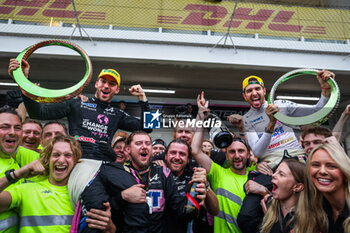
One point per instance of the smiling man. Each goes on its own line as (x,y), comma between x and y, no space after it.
(31,134)
(43,206)
(177,157)
(119,149)
(158,145)
(141,194)
(312,137)
(95,121)
(10,137)
(227,183)
(268,137)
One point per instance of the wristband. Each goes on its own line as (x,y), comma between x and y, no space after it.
(14,175)
(9,177)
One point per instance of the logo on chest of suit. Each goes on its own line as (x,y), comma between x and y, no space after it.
(256,120)
(158,199)
(102,119)
(98,129)
(154,178)
(88,106)
(109,111)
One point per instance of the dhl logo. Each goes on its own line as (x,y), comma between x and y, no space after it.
(207,15)
(58,8)
(249,19)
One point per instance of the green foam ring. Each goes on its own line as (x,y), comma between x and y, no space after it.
(41,94)
(317,118)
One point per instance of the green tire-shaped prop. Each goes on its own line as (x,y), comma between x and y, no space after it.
(316,118)
(44,95)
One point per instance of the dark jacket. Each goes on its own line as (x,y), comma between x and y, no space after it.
(92,123)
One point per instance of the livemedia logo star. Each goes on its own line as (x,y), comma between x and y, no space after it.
(185,123)
(151,120)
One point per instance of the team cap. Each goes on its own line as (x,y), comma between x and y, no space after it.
(110,72)
(252,80)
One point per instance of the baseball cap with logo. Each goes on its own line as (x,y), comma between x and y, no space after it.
(252,80)
(110,72)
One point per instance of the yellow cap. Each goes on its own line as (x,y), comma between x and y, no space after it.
(110,72)
(252,80)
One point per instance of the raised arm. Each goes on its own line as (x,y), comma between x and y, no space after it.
(305,109)
(130,123)
(136,90)
(201,158)
(322,77)
(36,110)
(211,201)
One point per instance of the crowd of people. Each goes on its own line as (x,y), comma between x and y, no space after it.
(88,177)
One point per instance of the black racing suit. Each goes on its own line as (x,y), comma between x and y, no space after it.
(92,123)
(179,224)
(162,188)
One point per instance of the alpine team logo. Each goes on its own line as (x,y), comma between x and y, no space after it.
(111,109)
(151,120)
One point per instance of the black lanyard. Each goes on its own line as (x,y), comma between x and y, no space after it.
(148,179)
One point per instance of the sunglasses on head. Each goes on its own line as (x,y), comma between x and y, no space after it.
(241,140)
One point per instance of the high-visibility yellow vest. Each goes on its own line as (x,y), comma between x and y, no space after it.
(25,156)
(42,207)
(8,219)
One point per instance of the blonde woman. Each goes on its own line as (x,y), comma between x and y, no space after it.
(324,206)
(288,182)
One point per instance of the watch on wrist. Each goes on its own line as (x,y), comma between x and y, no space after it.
(10,179)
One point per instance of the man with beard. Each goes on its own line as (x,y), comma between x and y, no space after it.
(184,132)
(140,195)
(268,137)
(177,157)
(227,183)
(92,122)
(31,134)
(157,184)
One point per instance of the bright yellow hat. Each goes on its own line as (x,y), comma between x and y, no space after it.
(111,73)
(252,80)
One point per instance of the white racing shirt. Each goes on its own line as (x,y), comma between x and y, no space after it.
(283,137)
